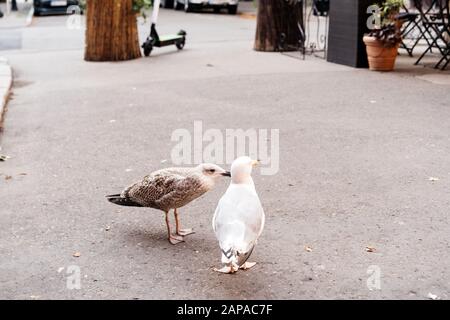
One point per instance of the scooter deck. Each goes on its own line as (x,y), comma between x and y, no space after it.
(170,37)
(167,40)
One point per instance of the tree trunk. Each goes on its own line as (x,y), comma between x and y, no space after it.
(278,25)
(111,31)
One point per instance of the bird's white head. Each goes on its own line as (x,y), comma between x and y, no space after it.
(241,170)
(212,172)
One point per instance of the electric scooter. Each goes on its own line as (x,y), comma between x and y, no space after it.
(154,40)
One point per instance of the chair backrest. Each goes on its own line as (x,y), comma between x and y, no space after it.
(435,8)
(425,6)
(442,10)
(444,7)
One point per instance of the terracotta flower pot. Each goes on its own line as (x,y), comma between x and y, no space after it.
(380,58)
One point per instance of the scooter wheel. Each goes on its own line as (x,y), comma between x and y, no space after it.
(148,47)
(180,44)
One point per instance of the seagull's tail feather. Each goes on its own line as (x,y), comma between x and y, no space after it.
(236,257)
(121,201)
(243,257)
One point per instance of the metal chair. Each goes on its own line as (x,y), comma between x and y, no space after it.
(445,35)
(411,24)
(435,20)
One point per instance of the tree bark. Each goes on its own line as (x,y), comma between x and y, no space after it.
(278,25)
(111,31)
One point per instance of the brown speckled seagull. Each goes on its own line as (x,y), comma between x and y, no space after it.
(171,188)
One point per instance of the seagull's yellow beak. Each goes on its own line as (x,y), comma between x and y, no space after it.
(255,163)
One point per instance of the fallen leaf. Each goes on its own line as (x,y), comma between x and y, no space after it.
(23,174)
(433,179)
(76,254)
(433,296)
(60,269)
(8,177)
(370,249)
(209,65)
(3,157)
(308,249)
(107,228)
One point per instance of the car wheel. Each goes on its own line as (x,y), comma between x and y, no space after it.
(187,6)
(167,3)
(217,10)
(232,9)
(177,5)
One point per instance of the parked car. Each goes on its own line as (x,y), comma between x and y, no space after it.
(42,7)
(190,5)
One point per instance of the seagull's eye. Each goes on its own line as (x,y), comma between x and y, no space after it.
(212,170)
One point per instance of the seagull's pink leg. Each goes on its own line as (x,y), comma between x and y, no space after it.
(181,232)
(173,239)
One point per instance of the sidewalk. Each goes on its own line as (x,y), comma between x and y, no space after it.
(363,164)
(5,86)
(12,20)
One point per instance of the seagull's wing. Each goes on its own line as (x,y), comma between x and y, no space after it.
(184,191)
(238,221)
(153,188)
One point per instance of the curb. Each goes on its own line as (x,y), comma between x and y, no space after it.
(5,86)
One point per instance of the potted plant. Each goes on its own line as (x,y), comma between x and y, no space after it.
(383,40)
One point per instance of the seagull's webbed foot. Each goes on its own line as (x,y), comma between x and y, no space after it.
(231,268)
(247,265)
(175,239)
(226,269)
(185,232)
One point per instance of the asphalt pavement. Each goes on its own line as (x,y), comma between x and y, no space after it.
(358,210)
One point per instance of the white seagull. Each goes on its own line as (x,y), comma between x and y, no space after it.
(171,188)
(239,218)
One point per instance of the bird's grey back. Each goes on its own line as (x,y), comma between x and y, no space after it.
(167,188)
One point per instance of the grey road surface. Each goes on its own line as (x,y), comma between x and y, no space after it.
(364,166)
